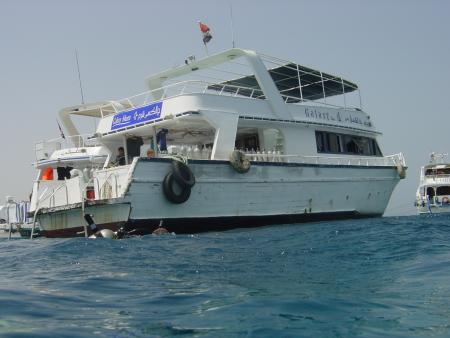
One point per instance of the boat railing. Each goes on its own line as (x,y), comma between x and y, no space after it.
(199,87)
(112,182)
(49,196)
(441,179)
(105,193)
(44,149)
(392,160)
(432,176)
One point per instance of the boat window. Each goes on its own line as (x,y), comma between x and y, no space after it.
(321,142)
(335,143)
(435,171)
(430,192)
(444,190)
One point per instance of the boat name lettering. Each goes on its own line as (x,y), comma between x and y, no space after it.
(137,115)
(336,117)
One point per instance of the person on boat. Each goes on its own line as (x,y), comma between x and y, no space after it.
(161,139)
(150,153)
(120,159)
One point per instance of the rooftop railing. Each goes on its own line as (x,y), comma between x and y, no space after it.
(200,87)
(44,149)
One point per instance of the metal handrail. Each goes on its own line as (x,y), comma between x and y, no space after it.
(396,159)
(41,200)
(113,174)
(186,87)
(80,141)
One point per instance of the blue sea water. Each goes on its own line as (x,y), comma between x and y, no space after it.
(383,277)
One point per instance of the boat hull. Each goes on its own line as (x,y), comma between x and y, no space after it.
(69,221)
(444,209)
(196,225)
(222,199)
(270,193)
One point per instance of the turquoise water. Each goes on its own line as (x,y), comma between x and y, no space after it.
(360,278)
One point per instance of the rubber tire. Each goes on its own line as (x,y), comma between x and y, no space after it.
(168,182)
(183,174)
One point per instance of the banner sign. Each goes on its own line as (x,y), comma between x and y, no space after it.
(137,115)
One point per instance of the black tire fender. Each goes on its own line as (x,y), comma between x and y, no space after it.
(171,195)
(183,174)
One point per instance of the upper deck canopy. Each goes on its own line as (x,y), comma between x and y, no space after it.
(289,79)
(293,81)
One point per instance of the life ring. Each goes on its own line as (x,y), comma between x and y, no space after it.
(183,174)
(239,162)
(171,194)
(445,200)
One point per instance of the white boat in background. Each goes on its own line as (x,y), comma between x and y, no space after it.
(433,193)
(267,142)
(14,215)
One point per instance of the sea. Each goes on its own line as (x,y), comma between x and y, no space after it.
(379,277)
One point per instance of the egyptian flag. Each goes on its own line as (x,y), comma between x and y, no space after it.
(205,31)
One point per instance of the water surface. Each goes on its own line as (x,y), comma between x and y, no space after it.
(360,278)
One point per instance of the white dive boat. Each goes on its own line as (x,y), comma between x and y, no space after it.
(13,215)
(433,193)
(268,142)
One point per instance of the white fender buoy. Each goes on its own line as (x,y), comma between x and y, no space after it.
(239,162)
(104,233)
(401,171)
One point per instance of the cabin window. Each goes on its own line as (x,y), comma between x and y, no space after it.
(335,143)
(321,142)
(445,190)
(375,148)
(435,171)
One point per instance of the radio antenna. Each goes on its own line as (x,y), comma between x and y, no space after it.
(79,77)
(231,24)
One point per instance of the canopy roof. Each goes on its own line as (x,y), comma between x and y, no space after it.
(295,82)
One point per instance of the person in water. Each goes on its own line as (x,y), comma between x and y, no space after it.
(120,159)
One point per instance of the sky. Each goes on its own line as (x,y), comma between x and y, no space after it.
(398,52)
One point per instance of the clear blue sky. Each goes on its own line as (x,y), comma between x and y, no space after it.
(397,51)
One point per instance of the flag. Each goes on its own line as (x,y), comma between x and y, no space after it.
(206,32)
(60,130)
